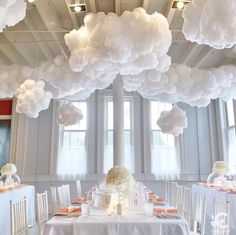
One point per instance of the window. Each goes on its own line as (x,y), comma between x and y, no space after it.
(230,129)
(72,156)
(128,145)
(164,160)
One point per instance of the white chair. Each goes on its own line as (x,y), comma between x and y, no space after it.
(19,224)
(42,210)
(221,218)
(168,191)
(78,187)
(173,200)
(179,199)
(187,204)
(54,200)
(199,215)
(64,195)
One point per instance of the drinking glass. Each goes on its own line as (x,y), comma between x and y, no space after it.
(85,209)
(148,208)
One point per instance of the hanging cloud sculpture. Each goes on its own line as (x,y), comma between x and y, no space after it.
(11,77)
(11,12)
(32,98)
(108,45)
(173,121)
(181,83)
(211,22)
(69,114)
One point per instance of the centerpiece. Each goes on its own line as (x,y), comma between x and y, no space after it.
(218,176)
(9,178)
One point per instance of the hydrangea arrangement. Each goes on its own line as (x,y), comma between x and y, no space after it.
(220,167)
(8,169)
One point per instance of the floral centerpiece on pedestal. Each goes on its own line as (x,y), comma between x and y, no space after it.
(121,179)
(218,177)
(8,176)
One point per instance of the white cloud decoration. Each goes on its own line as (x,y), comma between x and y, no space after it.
(11,12)
(32,98)
(68,114)
(11,77)
(181,83)
(173,121)
(211,22)
(108,45)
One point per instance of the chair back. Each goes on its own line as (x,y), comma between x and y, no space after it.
(187,204)
(18,212)
(42,207)
(200,214)
(221,218)
(54,200)
(173,200)
(64,195)
(78,187)
(179,199)
(66,188)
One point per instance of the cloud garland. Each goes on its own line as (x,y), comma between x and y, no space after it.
(181,83)
(11,12)
(203,25)
(32,98)
(173,121)
(69,114)
(108,45)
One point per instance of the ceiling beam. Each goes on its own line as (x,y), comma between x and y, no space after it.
(202,56)
(146,4)
(189,53)
(118,7)
(92,6)
(21,49)
(51,21)
(37,37)
(169,13)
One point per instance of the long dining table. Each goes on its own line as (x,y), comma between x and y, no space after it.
(132,222)
(27,191)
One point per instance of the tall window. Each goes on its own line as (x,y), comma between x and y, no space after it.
(230,129)
(128,145)
(164,157)
(72,156)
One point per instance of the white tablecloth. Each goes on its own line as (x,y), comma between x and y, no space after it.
(133,223)
(16,194)
(221,196)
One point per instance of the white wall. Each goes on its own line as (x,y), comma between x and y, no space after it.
(32,149)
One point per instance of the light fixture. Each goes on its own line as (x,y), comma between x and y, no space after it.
(30,1)
(77,8)
(180,4)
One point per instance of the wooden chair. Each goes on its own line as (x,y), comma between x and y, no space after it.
(64,195)
(18,210)
(221,218)
(179,197)
(78,187)
(168,191)
(173,200)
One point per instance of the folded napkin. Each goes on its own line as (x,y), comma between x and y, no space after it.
(67,210)
(165,211)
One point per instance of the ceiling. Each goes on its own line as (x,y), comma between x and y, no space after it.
(40,35)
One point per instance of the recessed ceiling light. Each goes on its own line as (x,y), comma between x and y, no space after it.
(77,8)
(180,5)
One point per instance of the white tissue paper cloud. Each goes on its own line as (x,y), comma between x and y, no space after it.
(11,12)
(32,98)
(181,83)
(173,121)
(210,22)
(69,114)
(11,77)
(108,45)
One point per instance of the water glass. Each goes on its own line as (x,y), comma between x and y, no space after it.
(148,208)
(85,209)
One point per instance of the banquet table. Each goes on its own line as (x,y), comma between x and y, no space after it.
(98,223)
(221,196)
(16,194)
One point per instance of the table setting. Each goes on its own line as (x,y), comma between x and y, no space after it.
(118,205)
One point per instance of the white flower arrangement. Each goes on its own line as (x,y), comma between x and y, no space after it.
(220,167)
(118,176)
(8,169)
